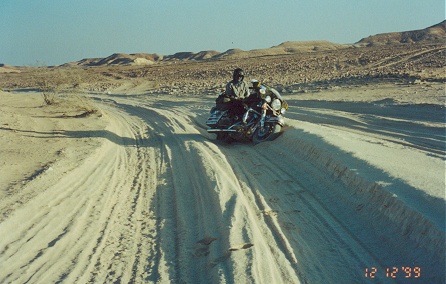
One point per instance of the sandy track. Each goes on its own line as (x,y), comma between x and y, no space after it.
(161,201)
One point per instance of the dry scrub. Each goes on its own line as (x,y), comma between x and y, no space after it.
(62,87)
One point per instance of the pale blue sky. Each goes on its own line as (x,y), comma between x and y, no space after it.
(54,32)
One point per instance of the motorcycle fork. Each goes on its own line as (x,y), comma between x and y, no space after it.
(262,120)
(245,115)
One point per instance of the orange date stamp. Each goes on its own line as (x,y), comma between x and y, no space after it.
(393,272)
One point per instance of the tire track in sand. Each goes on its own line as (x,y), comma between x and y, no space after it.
(90,224)
(138,210)
(159,202)
(207,227)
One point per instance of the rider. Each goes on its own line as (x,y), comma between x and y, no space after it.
(237,90)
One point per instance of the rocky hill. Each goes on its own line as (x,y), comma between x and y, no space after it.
(148,59)
(436,33)
(286,48)
(118,59)
(290,65)
(202,55)
(433,34)
(5,68)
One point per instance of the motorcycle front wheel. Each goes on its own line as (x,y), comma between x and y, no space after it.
(268,132)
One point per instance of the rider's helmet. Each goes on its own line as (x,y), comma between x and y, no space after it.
(238,74)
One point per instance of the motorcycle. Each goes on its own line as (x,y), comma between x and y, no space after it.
(261,118)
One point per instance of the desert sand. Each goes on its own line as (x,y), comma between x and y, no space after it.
(140,192)
(121,183)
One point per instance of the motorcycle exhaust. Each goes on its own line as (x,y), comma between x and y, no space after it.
(215,130)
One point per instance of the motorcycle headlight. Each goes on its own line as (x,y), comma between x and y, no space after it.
(283,110)
(268,99)
(276,104)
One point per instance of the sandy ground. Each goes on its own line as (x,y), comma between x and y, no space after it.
(139,192)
